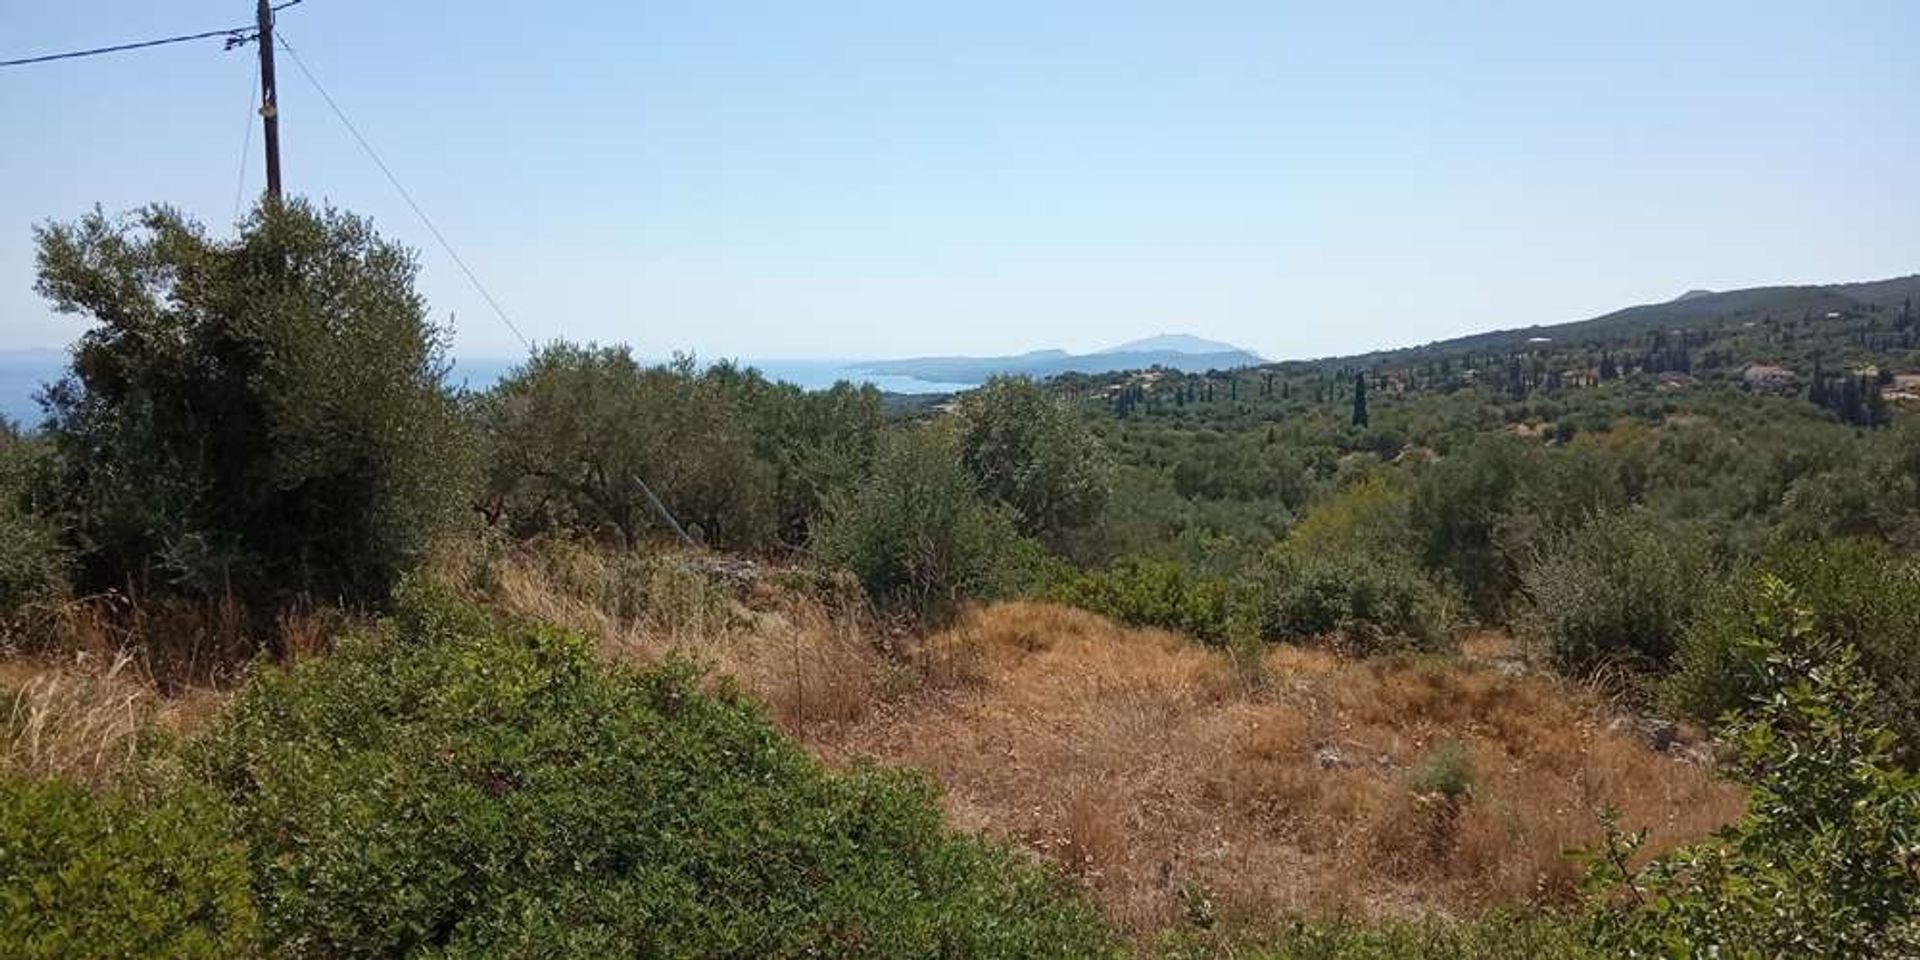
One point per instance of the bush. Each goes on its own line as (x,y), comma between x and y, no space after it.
(1457,508)
(1148,593)
(1030,452)
(1499,936)
(1823,862)
(1368,516)
(572,429)
(263,416)
(1616,591)
(1363,604)
(1861,595)
(1446,771)
(87,877)
(916,532)
(33,561)
(463,789)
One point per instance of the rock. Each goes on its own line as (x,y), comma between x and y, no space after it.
(1659,734)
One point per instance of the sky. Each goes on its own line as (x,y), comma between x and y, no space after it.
(774,180)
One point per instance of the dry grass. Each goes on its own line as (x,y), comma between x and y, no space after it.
(815,661)
(85,719)
(101,682)
(1142,762)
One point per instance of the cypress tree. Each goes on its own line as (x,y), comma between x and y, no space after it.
(1360,400)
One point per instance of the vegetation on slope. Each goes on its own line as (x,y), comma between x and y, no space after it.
(257,443)
(448,786)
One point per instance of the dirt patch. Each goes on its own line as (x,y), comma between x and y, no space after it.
(1147,765)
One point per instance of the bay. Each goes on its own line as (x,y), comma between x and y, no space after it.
(23,373)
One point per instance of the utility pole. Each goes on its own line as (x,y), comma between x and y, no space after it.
(269,101)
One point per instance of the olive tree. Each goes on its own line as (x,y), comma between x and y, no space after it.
(916,531)
(264,415)
(576,430)
(1028,450)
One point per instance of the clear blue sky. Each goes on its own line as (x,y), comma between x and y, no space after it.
(883,179)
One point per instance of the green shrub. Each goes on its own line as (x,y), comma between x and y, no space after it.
(917,533)
(109,878)
(260,416)
(1861,594)
(571,431)
(1615,591)
(1500,936)
(1370,516)
(1364,604)
(1030,452)
(1823,863)
(1447,771)
(1148,593)
(454,788)
(1457,508)
(33,561)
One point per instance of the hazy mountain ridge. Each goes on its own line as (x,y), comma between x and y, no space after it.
(1176,343)
(1693,309)
(1181,351)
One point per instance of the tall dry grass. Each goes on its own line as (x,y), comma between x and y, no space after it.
(99,684)
(86,719)
(814,654)
(1146,764)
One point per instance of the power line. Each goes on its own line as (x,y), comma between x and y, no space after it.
(404,195)
(246,142)
(232,35)
(235,36)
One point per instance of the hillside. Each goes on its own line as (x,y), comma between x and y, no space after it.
(1695,311)
(308,654)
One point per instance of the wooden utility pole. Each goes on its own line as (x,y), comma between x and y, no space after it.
(269,101)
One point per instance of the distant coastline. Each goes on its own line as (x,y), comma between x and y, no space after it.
(23,373)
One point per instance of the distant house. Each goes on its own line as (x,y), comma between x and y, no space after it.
(1904,389)
(1770,378)
(1675,380)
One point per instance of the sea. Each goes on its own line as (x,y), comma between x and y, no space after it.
(24,372)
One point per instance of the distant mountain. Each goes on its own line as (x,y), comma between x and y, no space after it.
(1176,343)
(1172,351)
(1692,310)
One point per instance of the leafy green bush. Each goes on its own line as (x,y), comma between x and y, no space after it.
(1028,451)
(263,416)
(1617,590)
(1447,771)
(33,561)
(572,430)
(1823,863)
(1500,936)
(1458,504)
(917,533)
(1149,593)
(1862,595)
(1363,604)
(460,789)
(109,878)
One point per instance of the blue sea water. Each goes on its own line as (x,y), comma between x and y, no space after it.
(478,373)
(24,372)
